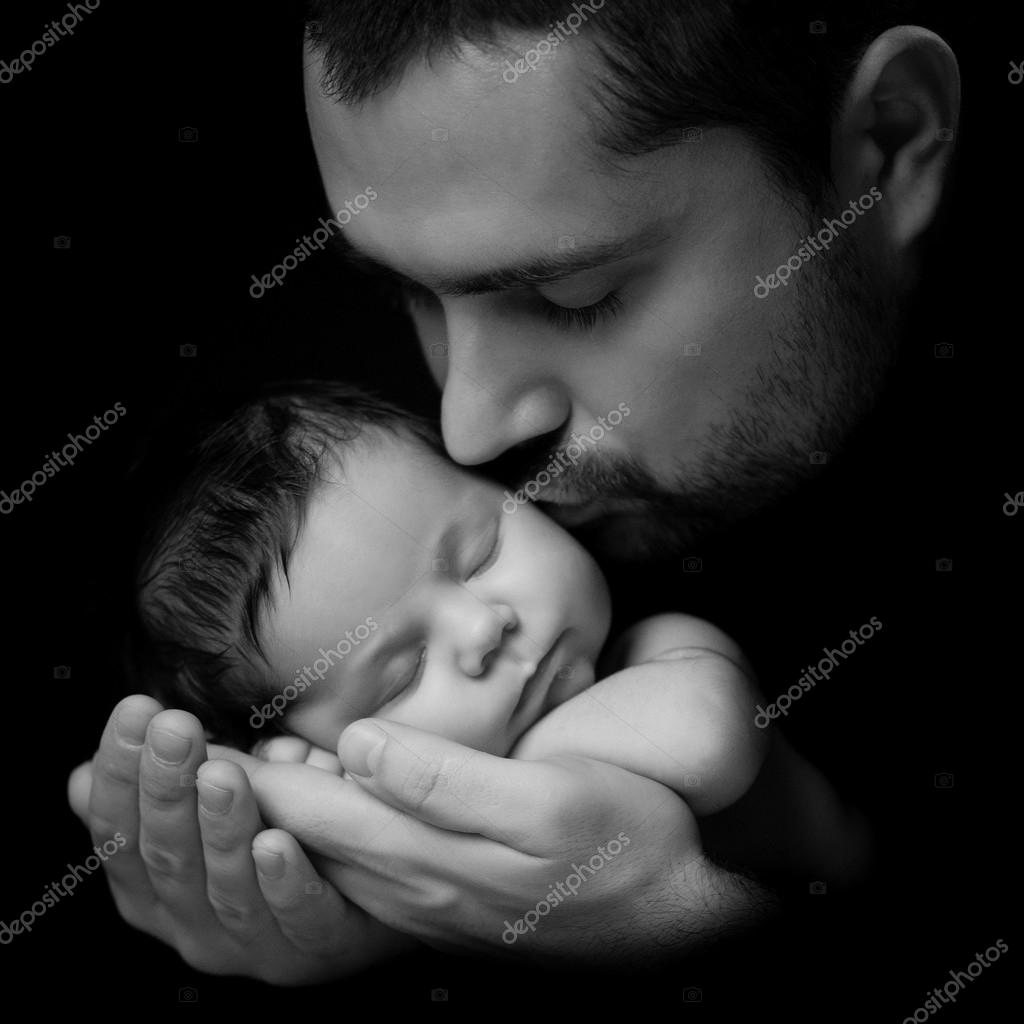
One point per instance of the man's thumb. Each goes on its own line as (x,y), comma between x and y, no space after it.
(79,788)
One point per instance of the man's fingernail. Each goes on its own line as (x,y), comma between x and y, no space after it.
(269,863)
(169,746)
(131,726)
(360,748)
(213,798)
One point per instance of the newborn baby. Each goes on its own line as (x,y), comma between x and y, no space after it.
(318,521)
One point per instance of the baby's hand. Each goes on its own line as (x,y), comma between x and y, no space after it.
(295,750)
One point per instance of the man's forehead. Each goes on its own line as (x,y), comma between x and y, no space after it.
(511,180)
(453,132)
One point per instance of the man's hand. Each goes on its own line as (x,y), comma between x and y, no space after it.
(188,874)
(468,851)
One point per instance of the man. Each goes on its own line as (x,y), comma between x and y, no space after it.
(709,213)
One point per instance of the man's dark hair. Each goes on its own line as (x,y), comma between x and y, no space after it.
(223,511)
(776,70)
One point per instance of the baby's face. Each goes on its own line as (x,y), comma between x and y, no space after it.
(475,622)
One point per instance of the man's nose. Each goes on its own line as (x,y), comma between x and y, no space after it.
(495,399)
(484,637)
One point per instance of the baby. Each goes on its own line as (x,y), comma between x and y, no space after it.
(317,526)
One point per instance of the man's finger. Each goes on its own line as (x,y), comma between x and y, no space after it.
(79,788)
(308,910)
(458,788)
(332,816)
(169,838)
(228,821)
(113,804)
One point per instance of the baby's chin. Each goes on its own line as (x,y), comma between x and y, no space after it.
(571,679)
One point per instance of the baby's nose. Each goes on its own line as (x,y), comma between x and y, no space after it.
(481,651)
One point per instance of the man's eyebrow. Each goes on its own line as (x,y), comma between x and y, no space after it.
(530,273)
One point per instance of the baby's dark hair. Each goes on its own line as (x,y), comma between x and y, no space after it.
(222,513)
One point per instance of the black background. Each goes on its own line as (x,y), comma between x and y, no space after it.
(164,236)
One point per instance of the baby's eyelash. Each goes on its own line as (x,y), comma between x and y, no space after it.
(492,556)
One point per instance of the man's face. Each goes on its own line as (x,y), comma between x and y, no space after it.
(468,622)
(549,289)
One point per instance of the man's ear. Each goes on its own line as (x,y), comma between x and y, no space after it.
(897,129)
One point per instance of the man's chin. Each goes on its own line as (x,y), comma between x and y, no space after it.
(573,514)
(633,529)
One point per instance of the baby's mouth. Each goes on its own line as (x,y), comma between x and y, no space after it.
(537,678)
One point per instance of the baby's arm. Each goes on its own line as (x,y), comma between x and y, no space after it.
(680,710)
(685,716)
